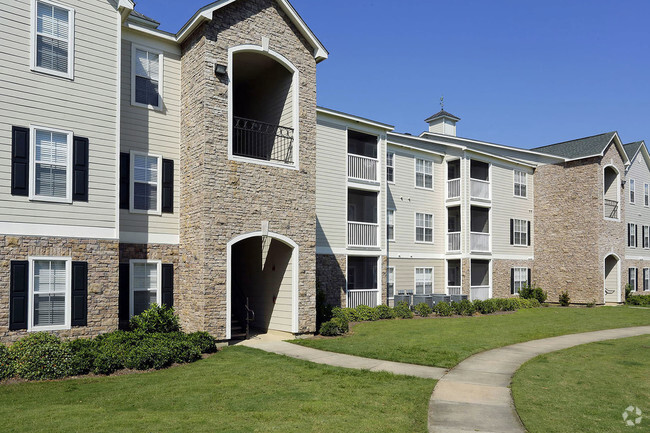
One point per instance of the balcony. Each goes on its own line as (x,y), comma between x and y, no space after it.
(480,242)
(263,141)
(453,188)
(362,297)
(453,290)
(362,234)
(611,209)
(479,292)
(480,189)
(362,168)
(453,242)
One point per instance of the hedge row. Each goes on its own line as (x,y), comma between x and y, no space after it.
(642,300)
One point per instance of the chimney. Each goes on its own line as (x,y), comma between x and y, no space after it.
(443,123)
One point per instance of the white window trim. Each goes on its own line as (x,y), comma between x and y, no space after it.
(388,211)
(33,42)
(632,194)
(631,234)
(514,183)
(415,174)
(521,234)
(388,274)
(646,195)
(646,279)
(392,182)
(415,220)
(158,264)
(161,74)
(524,281)
(634,287)
(32,166)
(415,280)
(158,210)
(645,237)
(68,295)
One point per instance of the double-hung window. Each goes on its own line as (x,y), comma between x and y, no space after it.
(632,273)
(520,184)
(146,176)
(519,279)
(390,225)
(146,79)
(424,227)
(391,281)
(645,230)
(423,281)
(52,39)
(390,167)
(646,195)
(51,156)
(50,294)
(145,285)
(646,279)
(632,235)
(423,173)
(520,232)
(632,191)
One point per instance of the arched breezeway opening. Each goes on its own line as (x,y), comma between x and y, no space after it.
(262,284)
(612,279)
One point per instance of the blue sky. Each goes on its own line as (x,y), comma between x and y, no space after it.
(521,73)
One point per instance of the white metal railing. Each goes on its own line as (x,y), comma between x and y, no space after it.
(362,167)
(479,292)
(480,189)
(362,297)
(453,241)
(453,188)
(479,241)
(363,234)
(453,290)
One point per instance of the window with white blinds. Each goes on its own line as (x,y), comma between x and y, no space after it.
(51,172)
(423,174)
(146,175)
(147,78)
(390,275)
(424,227)
(50,293)
(53,33)
(145,285)
(520,278)
(520,184)
(423,281)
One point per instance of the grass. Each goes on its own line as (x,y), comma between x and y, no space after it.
(236,390)
(585,388)
(444,342)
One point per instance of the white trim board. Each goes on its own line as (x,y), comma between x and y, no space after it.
(148,238)
(57,231)
(350,251)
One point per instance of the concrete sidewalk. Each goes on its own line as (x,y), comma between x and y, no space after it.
(475,395)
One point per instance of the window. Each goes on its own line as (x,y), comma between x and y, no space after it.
(145,285)
(424,227)
(646,279)
(50,294)
(390,225)
(520,184)
(145,186)
(632,235)
(423,174)
(632,272)
(390,167)
(52,39)
(646,195)
(423,281)
(391,281)
(520,232)
(646,236)
(51,154)
(146,80)
(519,279)
(632,191)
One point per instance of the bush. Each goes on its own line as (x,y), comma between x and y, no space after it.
(533,292)
(402,310)
(385,312)
(323,309)
(443,309)
(347,314)
(6,366)
(488,306)
(155,319)
(422,309)
(628,291)
(367,314)
(203,341)
(83,356)
(564,299)
(40,356)
(641,300)
(183,347)
(463,308)
(336,326)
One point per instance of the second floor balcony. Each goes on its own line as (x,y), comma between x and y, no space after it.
(263,141)
(362,234)
(363,226)
(479,229)
(363,164)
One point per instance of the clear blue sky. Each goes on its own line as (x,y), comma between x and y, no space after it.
(522,73)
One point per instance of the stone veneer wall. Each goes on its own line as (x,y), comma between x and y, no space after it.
(639,264)
(501,274)
(572,237)
(331,276)
(166,253)
(220,198)
(102,257)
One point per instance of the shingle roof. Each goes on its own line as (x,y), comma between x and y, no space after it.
(579,148)
(137,14)
(632,148)
(442,113)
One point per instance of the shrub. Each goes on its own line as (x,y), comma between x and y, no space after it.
(336,326)
(366,313)
(423,309)
(107,363)
(155,319)
(347,314)
(152,352)
(385,312)
(323,309)
(628,291)
(463,308)
(183,347)
(533,292)
(641,300)
(6,366)
(40,356)
(203,341)
(488,306)
(83,356)
(443,309)
(564,299)
(402,310)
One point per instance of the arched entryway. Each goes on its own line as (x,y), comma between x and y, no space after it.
(262,284)
(612,279)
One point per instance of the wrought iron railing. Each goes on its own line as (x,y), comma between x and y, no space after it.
(611,209)
(265,141)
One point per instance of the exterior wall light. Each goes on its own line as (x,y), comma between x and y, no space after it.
(220,69)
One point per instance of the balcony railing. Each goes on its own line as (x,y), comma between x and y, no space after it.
(362,297)
(611,209)
(453,290)
(453,188)
(363,234)
(480,242)
(362,168)
(265,141)
(479,292)
(480,189)
(453,241)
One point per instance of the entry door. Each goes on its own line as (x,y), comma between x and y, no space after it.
(612,280)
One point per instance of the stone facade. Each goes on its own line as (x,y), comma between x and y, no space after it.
(639,265)
(166,253)
(501,275)
(331,275)
(221,198)
(102,257)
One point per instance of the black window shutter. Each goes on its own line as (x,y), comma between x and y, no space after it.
(530,277)
(636,279)
(18,292)
(168,186)
(79,293)
(512,232)
(636,236)
(168,285)
(528,233)
(80,169)
(629,235)
(125,171)
(512,280)
(19,161)
(124,310)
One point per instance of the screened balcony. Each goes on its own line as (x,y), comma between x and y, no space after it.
(454,277)
(363,228)
(453,229)
(362,157)
(479,180)
(362,282)
(453,179)
(480,229)
(480,280)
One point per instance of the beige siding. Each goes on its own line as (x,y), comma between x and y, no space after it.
(637,213)
(405,273)
(152,131)
(86,106)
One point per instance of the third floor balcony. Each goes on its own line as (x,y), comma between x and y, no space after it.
(363,164)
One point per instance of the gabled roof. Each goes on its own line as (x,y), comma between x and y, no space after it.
(442,113)
(144,19)
(632,148)
(580,148)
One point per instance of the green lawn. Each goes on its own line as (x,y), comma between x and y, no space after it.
(444,342)
(236,390)
(585,388)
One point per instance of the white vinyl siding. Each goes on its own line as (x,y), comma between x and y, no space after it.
(424,227)
(520,235)
(390,167)
(632,191)
(52,39)
(423,281)
(640,172)
(390,225)
(50,294)
(520,278)
(145,285)
(147,78)
(520,184)
(405,275)
(146,191)
(51,172)
(423,173)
